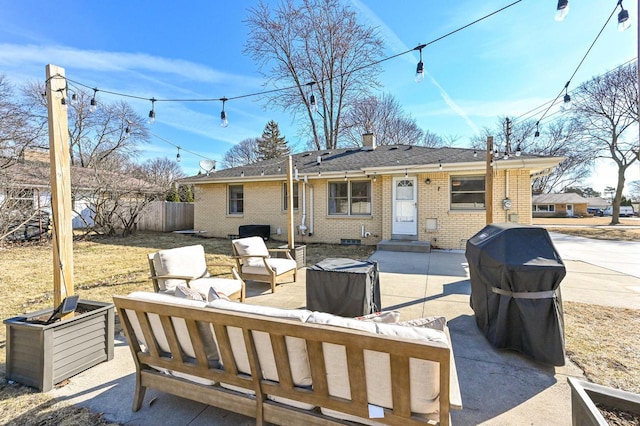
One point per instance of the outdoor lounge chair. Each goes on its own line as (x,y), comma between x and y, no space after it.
(254,262)
(187,265)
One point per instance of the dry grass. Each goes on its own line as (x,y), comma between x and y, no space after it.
(103,267)
(593,227)
(605,342)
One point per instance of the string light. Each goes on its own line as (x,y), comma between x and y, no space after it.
(440,164)
(537,133)
(420,68)
(224,122)
(475,154)
(518,151)
(562,10)
(93,104)
(345,176)
(375,177)
(152,112)
(178,156)
(406,175)
(564,4)
(623,18)
(313,104)
(223,115)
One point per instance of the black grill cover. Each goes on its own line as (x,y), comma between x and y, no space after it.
(515,277)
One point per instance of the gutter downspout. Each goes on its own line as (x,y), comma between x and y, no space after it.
(303,227)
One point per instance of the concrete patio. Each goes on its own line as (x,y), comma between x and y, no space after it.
(498,387)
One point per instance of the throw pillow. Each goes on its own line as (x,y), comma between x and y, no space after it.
(437,323)
(187,293)
(215,295)
(389,317)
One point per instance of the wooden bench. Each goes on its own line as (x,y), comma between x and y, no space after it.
(182,348)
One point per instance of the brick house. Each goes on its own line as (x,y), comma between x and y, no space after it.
(562,204)
(367,194)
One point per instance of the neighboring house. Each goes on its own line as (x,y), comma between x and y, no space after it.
(28,186)
(554,205)
(368,194)
(597,203)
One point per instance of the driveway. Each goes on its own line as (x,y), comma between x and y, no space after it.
(620,256)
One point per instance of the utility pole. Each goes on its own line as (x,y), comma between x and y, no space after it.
(56,84)
(488,204)
(508,136)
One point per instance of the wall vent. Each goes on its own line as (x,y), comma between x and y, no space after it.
(350,242)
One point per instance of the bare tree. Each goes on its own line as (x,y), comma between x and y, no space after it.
(20,130)
(161,172)
(606,107)
(634,190)
(244,152)
(97,134)
(384,117)
(316,47)
(560,138)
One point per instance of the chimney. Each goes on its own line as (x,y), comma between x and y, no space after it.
(368,141)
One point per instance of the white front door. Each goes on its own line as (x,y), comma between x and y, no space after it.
(405,206)
(569,209)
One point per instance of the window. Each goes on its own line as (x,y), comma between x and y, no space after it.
(549,208)
(350,198)
(285,194)
(236,199)
(467,192)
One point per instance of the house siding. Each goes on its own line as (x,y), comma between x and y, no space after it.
(263,206)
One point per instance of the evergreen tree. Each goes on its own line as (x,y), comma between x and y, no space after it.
(186,194)
(271,144)
(173,194)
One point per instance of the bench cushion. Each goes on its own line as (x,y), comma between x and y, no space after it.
(425,379)
(206,332)
(183,261)
(296,348)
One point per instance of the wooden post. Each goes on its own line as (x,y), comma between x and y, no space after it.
(60,184)
(291,226)
(489,182)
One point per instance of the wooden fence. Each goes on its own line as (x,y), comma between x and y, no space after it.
(166,216)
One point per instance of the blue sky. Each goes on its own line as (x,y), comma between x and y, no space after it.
(505,65)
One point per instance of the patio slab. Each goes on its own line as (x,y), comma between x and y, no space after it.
(499,387)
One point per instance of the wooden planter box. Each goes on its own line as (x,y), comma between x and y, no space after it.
(41,355)
(585,395)
(299,254)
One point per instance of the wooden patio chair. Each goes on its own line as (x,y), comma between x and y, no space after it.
(187,265)
(254,262)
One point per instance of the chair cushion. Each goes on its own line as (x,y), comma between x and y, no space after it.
(296,348)
(279,265)
(225,286)
(206,332)
(251,246)
(185,261)
(425,379)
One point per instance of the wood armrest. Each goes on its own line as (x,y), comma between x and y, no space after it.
(282,250)
(187,278)
(455,398)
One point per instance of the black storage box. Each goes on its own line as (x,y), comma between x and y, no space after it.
(263,231)
(345,287)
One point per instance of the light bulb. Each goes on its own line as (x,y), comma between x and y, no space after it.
(623,20)
(152,117)
(313,104)
(93,104)
(562,10)
(223,119)
(419,72)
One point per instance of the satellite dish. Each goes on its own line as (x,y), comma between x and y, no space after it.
(208,165)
